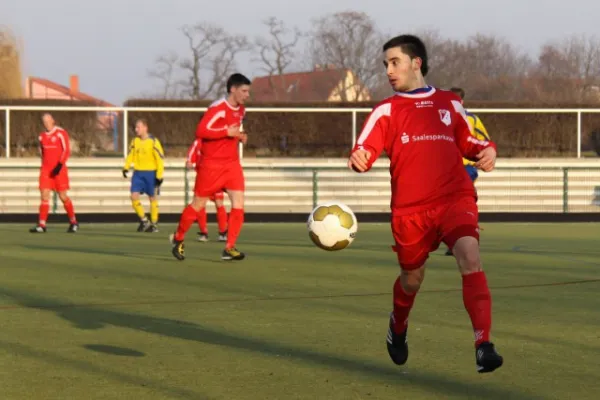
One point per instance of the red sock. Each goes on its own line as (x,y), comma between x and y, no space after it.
(202,221)
(44,211)
(68,204)
(403,303)
(222,219)
(236,220)
(478,302)
(188,217)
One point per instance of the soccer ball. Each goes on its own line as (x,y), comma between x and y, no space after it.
(332,226)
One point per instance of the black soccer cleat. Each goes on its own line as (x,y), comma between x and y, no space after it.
(178,250)
(73,228)
(397,344)
(487,358)
(143,225)
(232,254)
(202,237)
(449,252)
(152,228)
(222,236)
(38,229)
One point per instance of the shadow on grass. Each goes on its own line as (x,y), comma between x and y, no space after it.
(53,360)
(94,318)
(114,350)
(108,252)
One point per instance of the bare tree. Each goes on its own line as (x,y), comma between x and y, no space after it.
(569,70)
(202,73)
(348,41)
(276,52)
(10,66)
(165,71)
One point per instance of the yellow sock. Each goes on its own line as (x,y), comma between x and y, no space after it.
(138,208)
(154,211)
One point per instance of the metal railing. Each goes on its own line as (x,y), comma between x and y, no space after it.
(353,129)
(561,186)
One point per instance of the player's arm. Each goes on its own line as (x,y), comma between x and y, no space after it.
(40,147)
(192,154)
(129,159)
(159,157)
(482,151)
(480,129)
(65,145)
(212,126)
(371,141)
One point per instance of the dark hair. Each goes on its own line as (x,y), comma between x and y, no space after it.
(236,80)
(143,121)
(458,91)
(412,46)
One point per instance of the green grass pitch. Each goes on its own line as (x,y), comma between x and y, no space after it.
(109,314)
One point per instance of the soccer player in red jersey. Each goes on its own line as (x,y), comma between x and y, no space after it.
(193,159)
(221,131)
(425,134)
(54,175)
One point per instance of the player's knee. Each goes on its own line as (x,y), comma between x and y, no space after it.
(45,195)
(412,279)
(135,196)
(466,251)
(198,203)
(237,198)
(63,196)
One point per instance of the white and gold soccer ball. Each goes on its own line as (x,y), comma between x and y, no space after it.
(332,226)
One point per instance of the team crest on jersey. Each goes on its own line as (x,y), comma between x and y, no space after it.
(445,117)
(53,139)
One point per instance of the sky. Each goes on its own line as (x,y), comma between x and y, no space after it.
(111,44)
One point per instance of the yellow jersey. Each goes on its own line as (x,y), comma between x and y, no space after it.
(146,155)
(477,130)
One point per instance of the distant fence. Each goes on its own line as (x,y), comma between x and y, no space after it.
(296,189)
(295,131)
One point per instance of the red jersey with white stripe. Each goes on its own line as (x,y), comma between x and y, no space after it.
(195,153)
(425,134)
(55,147)
(217,147)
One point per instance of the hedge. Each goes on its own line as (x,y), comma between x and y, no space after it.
(305,134)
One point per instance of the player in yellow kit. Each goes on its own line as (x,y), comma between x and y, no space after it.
(147,156)
(478,131)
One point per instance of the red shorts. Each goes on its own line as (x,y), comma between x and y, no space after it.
(60,183)
(217,196)
(213,179)
(418,234)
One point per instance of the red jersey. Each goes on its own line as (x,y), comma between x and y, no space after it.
(195,153)
(55,147)
(217,147)
(425,134)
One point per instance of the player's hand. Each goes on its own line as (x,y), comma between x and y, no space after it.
(189,165)
(359,160)
(158,182)
(234,131)
(244,138)
(56,170)
(487,159)
(125,173)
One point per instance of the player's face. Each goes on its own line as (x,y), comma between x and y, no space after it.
(241,93)
(402,71)
(141,128)
(48,122)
